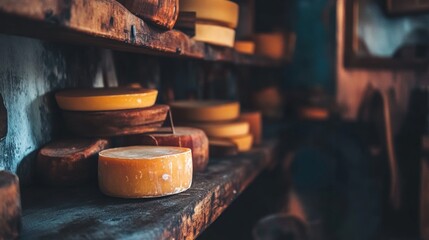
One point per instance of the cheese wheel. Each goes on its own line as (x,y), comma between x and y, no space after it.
(243,143)
(224,129)
(255,122)
(10,206)
(144,171)
(222,148)
(205,111)
(213,34)
(105,99)
(192,138)
(247,47)
(270,45)
(314,113)
(69,162)
(220,12)
(116,123)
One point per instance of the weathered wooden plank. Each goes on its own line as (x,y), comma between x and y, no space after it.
(106,23)
(77,213)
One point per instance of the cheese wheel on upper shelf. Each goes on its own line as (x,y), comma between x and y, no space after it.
(213,34)
(205,111)
(255,122)
(10,206)
(187,137)
(223,129)
(144,171)
(246,47)
(69,161)
(220,12)
(243,143)
(105,99)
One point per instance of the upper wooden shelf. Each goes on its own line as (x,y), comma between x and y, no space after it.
(85,213)
(106,23)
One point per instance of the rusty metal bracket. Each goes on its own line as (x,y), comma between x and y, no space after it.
(3,119)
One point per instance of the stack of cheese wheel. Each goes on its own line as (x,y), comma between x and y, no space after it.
(106,112)
(216,20)
(218,119)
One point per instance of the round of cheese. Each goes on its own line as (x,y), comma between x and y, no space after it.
(105,99)
(224,129)
(220,12)
(205,111)
(213,34)
(247,47)
(116,123)
(270,45)
(255,121)
(144,171)
(243,143)
(192,138)
(69,161)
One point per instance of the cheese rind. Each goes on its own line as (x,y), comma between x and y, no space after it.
(105,99)
(144,171)
(192,138)
(224,129)
(205,111)
(217,11)
(270,45)
(247,47)
(213,34)
(255,122)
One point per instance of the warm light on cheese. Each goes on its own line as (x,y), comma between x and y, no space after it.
(255,121)
(144,171)
(213,34)
(314,113)
(217,11)
(105,99)
(243,143)
(205,111)
(247,47)
(223,129)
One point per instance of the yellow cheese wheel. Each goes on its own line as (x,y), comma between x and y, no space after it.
(213,34)
(205,111)
(223,129)
(218,11)
(244,143)
(106,99)
(247,47)
(270,45)
(255,121)
(144,171)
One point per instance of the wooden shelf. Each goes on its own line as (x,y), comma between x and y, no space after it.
(106,23)
(83,212)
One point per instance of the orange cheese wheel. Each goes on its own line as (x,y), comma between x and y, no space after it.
(214,34)
(247,47)
(106,99)
(220,12)
(144,171)
(224,129)
(255,121)
(244,143)
(270,45)
(192,138)
(205,111)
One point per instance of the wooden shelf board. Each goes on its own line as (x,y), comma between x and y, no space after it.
(106,23)
(85,213)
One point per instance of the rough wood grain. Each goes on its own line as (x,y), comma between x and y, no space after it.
(160,12)
(10,206)
(192,138)
(108,24)
(69,162)
(3,119)
(78,213)
(116,123)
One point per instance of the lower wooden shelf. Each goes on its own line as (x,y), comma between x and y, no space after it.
(84,213)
